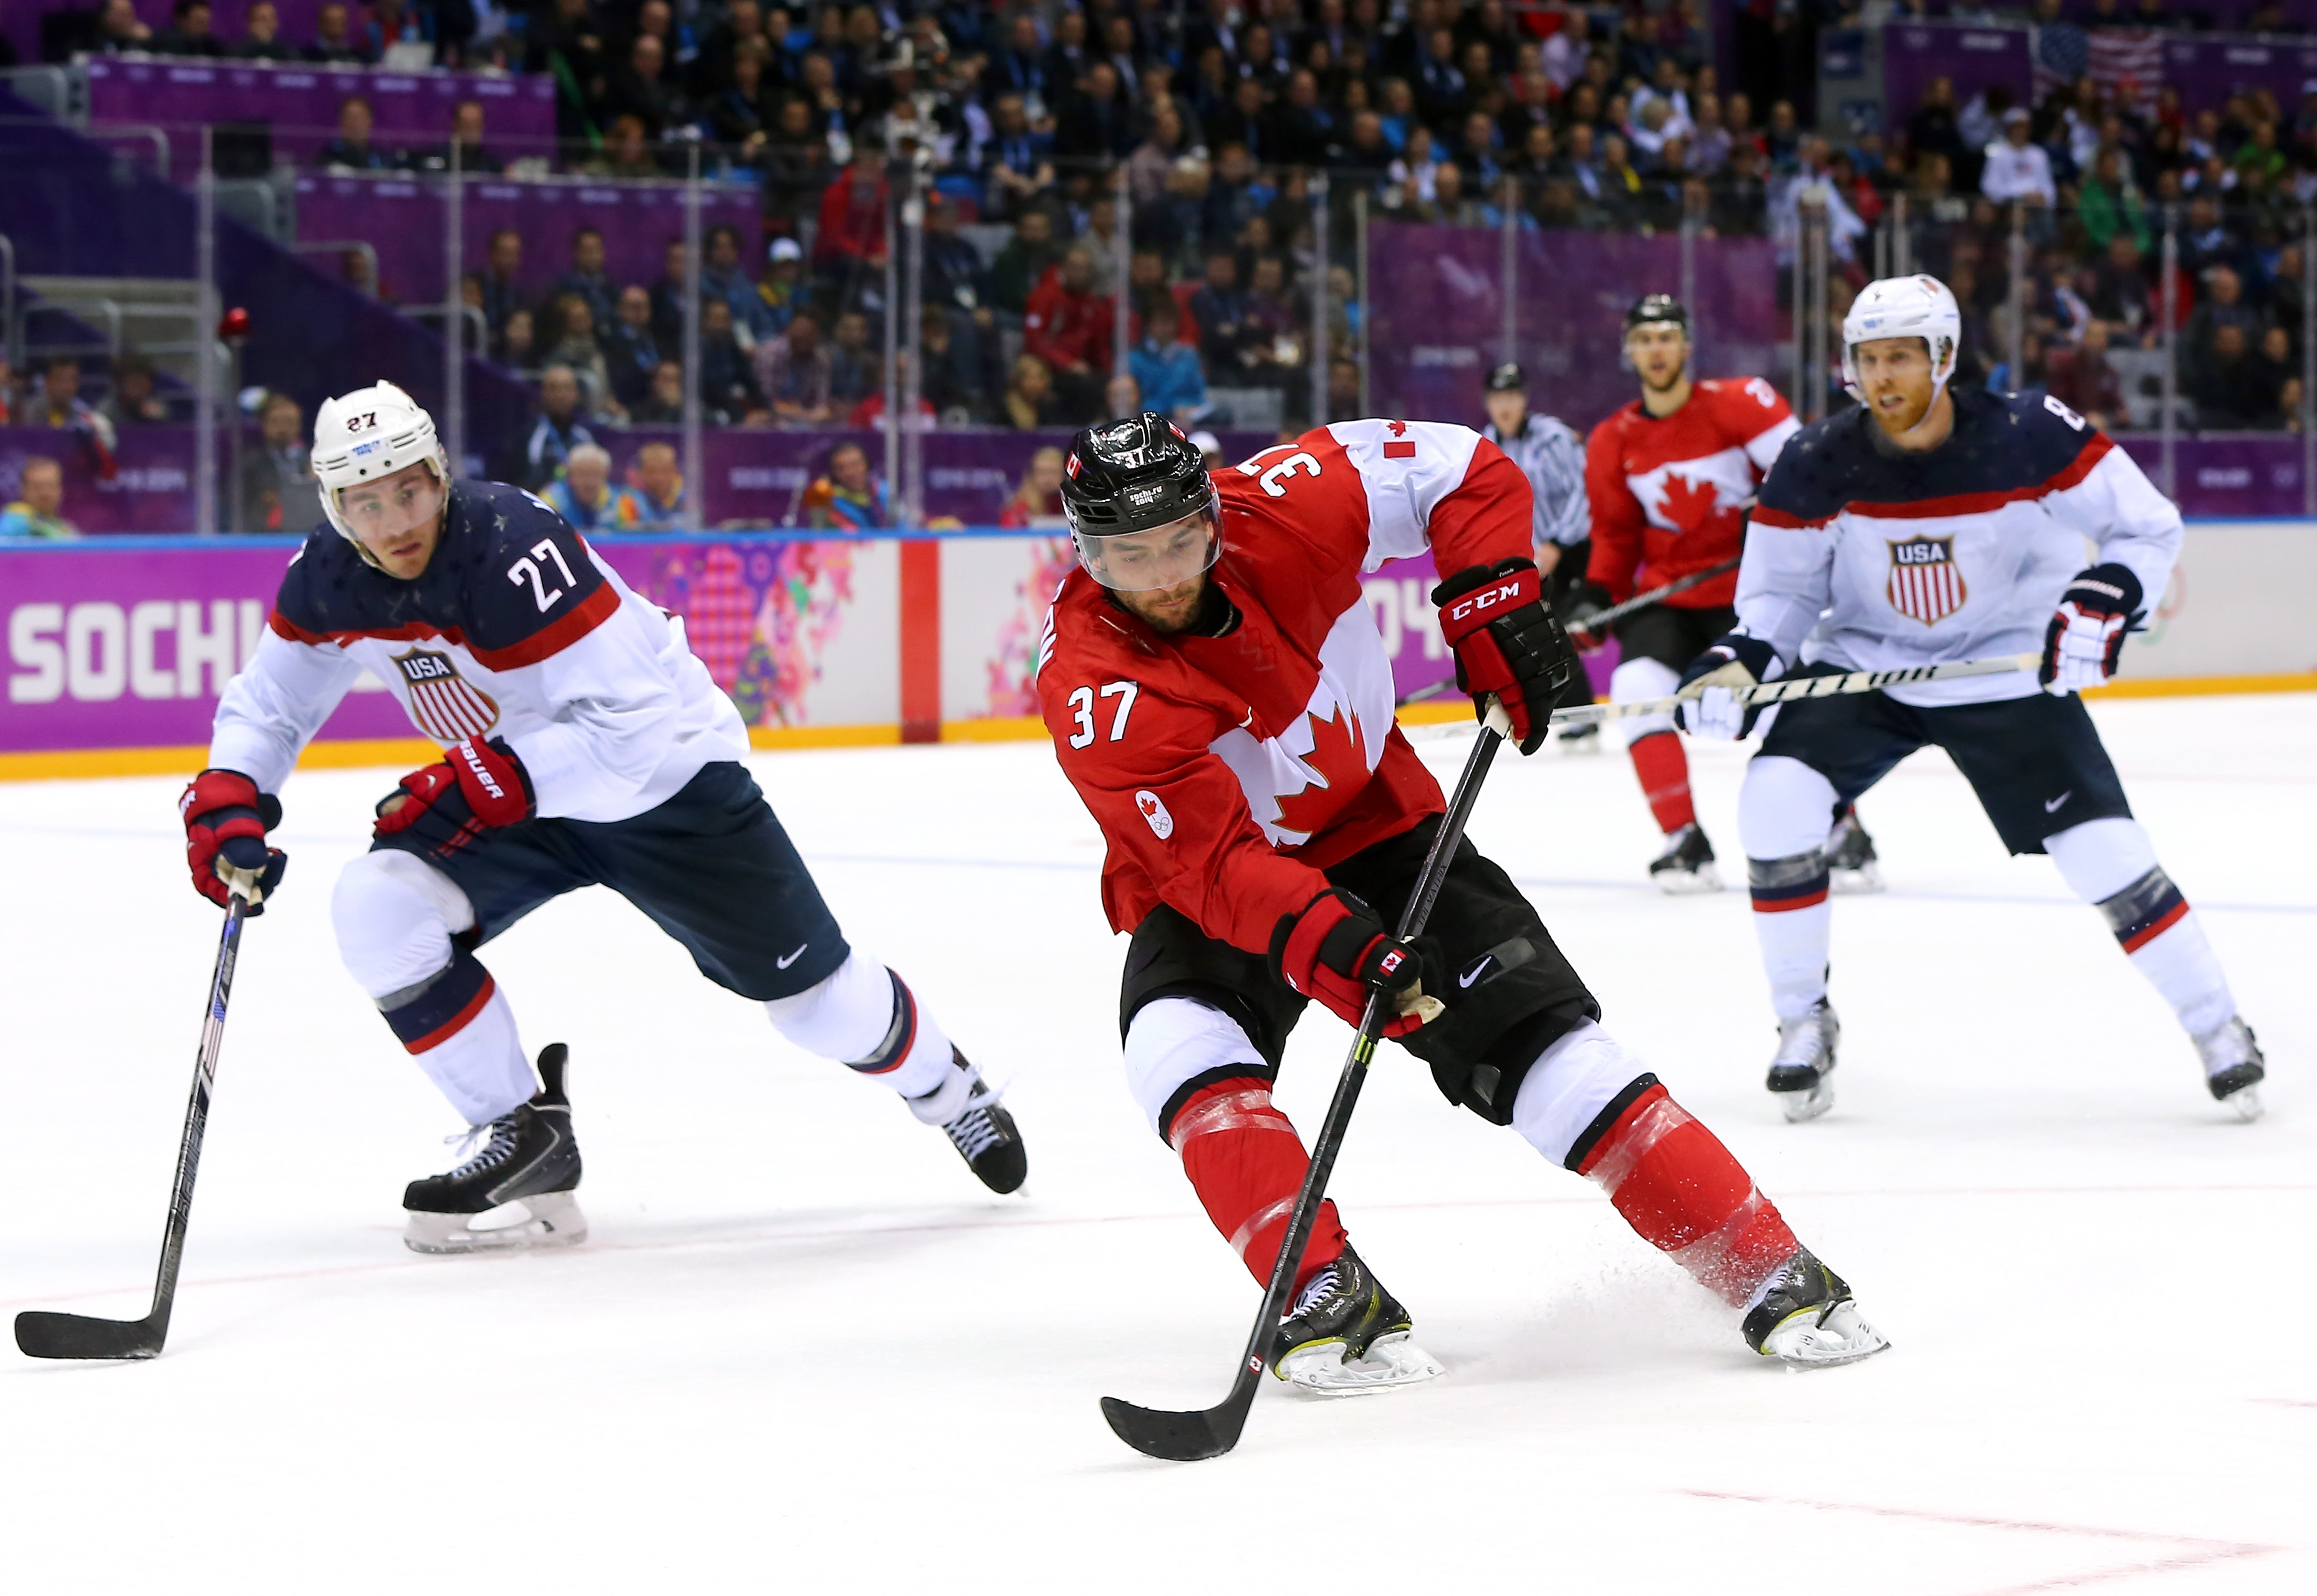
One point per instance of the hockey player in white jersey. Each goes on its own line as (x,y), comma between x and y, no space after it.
(583,745)
(1930,525)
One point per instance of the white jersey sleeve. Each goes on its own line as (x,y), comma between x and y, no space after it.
(1408,467)
(272,707)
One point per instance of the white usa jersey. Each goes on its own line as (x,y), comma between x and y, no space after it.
(1868,558)
(514,630)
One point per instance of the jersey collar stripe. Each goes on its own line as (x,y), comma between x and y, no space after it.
(417,631)
(1979,504)
(585,617)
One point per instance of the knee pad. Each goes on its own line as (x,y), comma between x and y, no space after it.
(2102,857)
(1570,1087)
(1783,808)
(1637,679)
(1174,1044)
(394,916)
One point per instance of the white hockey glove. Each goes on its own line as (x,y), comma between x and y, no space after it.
(2084,642)
(1713,710)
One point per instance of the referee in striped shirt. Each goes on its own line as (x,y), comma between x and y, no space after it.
(1552,457)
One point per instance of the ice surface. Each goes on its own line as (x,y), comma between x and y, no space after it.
(803,1351)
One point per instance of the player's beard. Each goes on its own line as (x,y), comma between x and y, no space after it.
(1897,423)
(1672,379)
(1169,610)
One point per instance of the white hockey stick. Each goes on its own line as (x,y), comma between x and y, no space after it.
(1763,692)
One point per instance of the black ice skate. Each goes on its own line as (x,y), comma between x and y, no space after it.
(1687,865)
(1850,858)
(978,1127)
(1805,1058)
(2234,1067)
(517,1191)
(1347,1335)
(1803,1315)
(1579,739)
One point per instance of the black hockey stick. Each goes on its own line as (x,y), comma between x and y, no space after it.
(1593,625)
(73,1336)
(1184,1437)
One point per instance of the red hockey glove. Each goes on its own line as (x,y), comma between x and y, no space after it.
(2085,639)
(1336,951)
(1507,644)
(445,806)
(226,822)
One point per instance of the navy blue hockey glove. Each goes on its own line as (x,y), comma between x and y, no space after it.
(2084,642)
(226,821)
(1732,660)
(445,806)
(1507,643)
(1576,609)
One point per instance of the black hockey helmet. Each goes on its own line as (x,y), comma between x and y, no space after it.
(1125,477)
(1507,379)
(1658,309)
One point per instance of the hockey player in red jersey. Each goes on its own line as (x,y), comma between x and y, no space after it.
(1669,478)
(1220,697)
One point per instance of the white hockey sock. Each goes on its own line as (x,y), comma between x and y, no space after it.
(1566,1089)
(866,1018)
(1783,811)
(2112,865)
(481,1066)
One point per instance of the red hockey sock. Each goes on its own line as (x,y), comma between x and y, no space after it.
(1680,1189)
(1247,1163)
(1664,771)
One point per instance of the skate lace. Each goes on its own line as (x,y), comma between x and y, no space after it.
(976,1130)
(496,1150)
(1315,1293)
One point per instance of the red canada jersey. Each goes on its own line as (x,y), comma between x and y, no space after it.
(1227,771)
(1670,493)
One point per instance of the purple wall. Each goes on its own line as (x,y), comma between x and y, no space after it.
(402,218)
(301,102)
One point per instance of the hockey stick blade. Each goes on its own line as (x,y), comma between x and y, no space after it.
(1181,1437)
(41,1334)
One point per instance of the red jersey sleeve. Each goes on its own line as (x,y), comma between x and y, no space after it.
(1171,812)
(1618,527)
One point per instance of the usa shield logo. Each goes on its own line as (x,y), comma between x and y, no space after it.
(447,707)
(1925,583)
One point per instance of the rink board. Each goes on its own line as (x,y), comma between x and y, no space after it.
(119,648)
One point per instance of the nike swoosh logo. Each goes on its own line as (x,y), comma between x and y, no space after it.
(1473,974)
(2054,807)
(791,959)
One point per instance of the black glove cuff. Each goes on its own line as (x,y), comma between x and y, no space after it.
(2114,587)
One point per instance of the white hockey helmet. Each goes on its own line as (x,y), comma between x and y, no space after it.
(1917,307)
(370,434)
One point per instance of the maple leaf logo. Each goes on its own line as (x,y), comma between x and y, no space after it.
(1688,503)
(1338,767)
(1395,427)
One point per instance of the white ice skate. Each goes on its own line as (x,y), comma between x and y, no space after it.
(1805,1059)
(551,1219)
(1803,1315)
(1390,1360)
(2234,1067)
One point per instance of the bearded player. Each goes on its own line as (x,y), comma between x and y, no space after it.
(1669,478)
(1930,525)
(583,745)
(1220,697)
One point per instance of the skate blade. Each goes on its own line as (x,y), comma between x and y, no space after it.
(1805,1342)
(1801,1106)
(1682,883)
(2245,1103)
(1391,1361)
(1864,879)
(551,1219)
(1576,747)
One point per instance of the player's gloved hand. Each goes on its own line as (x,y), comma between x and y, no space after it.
(1506,643)
(2085,638)
(226,822)
(1712,710)
(1577,607)
(446,805)
(1336,950)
